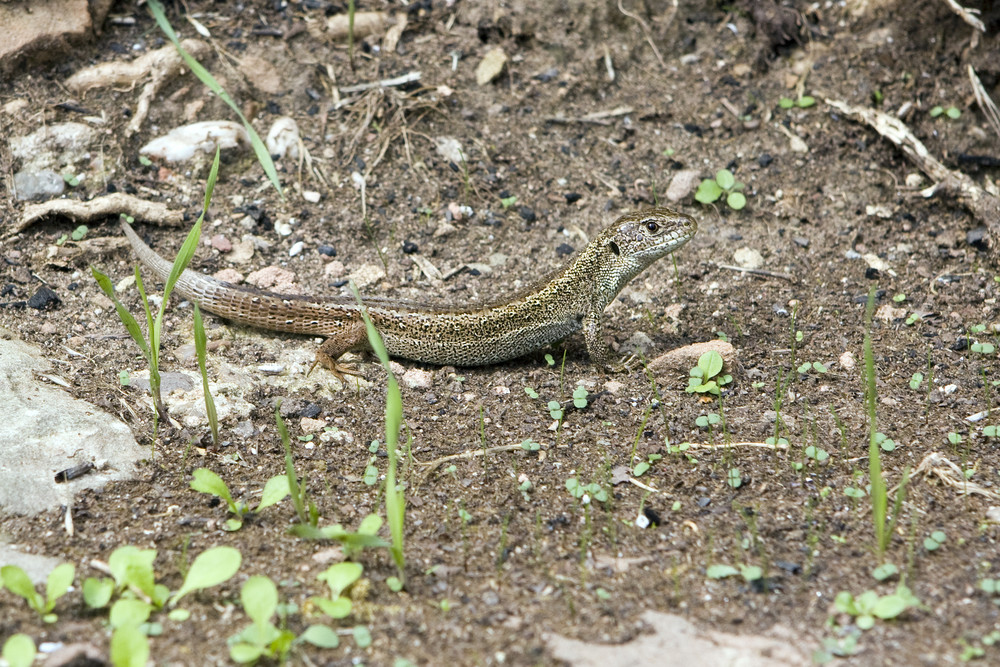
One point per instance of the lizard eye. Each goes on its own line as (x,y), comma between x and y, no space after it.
(652,226)
(614,248)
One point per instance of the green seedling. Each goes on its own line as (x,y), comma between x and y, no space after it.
(201,350)
(884,442)
(706,377)
(395,502)
(19,650)
(206,481)
(991,431)
(642,466)
(531,392)
(259,149)
(803,102)
(983,348)
(934,541)
(353,543)
(916,380)
(954,113)
(507,202)
(79,233)
(870,605)
(954,438)
(733,478)
(708,421)
(72,180)
(211,568)
(843,646)
(305,509)
(555,410)
(816,366)
(586,491)
(530,445)
(151,349)
(817,454)
(899,298)
(262,638)
(580,398)
(339,577)
(990,586)
(885,571)
(711,189)
(57,585)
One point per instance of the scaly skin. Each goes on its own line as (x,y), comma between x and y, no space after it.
(563,302)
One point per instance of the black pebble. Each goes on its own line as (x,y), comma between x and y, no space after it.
(564,249)
(43,299)
(527,213)
(976,237)
(871,273)
(765,160)
(572,197)
(310,411)
(409,247)
(327,250)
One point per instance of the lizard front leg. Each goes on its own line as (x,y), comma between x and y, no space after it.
(598,349)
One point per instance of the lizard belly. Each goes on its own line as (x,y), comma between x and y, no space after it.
(468,344)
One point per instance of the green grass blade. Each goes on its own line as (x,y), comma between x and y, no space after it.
(294,489)
(200,346)
(879,494)
(395,503)
(126,317)
(206,77)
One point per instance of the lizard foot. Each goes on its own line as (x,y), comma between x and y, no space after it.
(626,365)
(338,369)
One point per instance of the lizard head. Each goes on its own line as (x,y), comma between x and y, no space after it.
(638,239)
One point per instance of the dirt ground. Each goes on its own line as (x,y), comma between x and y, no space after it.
(530,561)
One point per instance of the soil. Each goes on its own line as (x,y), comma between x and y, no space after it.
(538,561)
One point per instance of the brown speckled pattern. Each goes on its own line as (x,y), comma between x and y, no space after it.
(567,300)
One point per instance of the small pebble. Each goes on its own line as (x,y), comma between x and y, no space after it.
(327,250)
(296,248)
(526,213)
(409,247)
(565,249)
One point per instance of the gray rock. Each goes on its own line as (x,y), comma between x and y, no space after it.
(42,184)
(44,430)
(37,567)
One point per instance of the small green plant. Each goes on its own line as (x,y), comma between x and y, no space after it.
(259,149)
(19,650)
(57,585)
(262,638)
(151,349)
(580,398)
(555,410)
(934,541)
(206,481)
(733,478)
(642,466)
(885,571)
(870,605)
(711,189)
(954,113)
(79,233)
(817,454)
(708,421)
(915,380)
(395,502)
(803,102)
(885,443)
(507,202)
(706,377)
(201,350)
(339,577)
(816,366)
(586,491)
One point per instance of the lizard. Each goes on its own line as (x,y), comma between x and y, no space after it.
(570,298)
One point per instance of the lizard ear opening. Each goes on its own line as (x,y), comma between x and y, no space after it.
(614,248)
